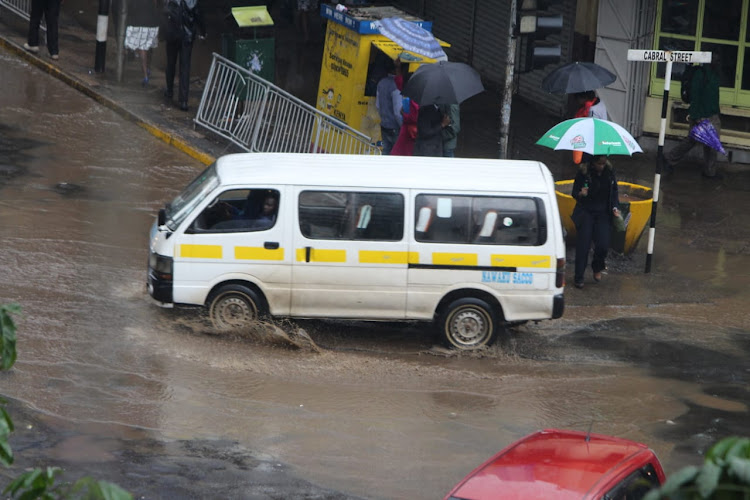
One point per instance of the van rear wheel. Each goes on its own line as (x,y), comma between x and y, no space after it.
(233,307)
(468,323)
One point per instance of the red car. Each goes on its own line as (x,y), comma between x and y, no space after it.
(557,464)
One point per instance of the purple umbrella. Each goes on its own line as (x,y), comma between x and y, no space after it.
(705,133)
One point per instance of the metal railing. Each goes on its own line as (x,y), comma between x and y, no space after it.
(258,116)
(20,7)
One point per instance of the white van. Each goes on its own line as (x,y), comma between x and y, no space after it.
(467,243)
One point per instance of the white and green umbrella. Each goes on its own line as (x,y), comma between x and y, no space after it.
(592,136)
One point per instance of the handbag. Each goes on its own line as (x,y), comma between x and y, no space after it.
(618,222)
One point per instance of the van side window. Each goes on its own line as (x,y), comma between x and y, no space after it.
(489,220)
(344,215)
(239,210)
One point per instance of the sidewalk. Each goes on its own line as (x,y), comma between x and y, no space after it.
(297,70)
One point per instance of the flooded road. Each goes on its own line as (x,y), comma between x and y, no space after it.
(110,385)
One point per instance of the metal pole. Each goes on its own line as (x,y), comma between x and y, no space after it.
(659,165)
(122,22)
(102,21)
(508,90)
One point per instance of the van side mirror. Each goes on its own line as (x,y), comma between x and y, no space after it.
(161,219)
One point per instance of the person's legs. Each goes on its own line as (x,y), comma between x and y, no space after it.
(449,153)
(709,154)
(185,53)
(173,50)
(678,152)
(35,19)
(144,64)
(601,237)
(51,16)
(389,137)
(584,233)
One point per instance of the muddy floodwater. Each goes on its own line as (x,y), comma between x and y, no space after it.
(108,384)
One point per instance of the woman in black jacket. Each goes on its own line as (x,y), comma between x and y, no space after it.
(597,201)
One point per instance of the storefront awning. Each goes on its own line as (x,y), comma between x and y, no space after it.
(395,51)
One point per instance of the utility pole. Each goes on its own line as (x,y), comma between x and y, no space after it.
(122,23)
(102,21)
(508,89)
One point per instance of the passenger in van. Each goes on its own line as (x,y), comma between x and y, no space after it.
(246,220)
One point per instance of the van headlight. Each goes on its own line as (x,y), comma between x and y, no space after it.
(161,265)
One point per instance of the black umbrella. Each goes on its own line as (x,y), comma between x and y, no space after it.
(577,77)
(443,82)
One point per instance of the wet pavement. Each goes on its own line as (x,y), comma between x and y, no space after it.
(109,385)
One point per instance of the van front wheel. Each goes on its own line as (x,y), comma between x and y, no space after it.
(233,307)
(468,323)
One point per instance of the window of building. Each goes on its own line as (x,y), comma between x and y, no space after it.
(484,220)
(707,26)
(339,215)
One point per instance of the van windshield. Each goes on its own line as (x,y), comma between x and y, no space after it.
(190,197)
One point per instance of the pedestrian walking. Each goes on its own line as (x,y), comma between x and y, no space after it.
(704,104)
(184,21)
(388,104)
(430,124)
(451,130)
(597,202)
(50,10)
(142,32)
(589,105)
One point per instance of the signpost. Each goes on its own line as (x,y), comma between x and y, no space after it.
(669,57)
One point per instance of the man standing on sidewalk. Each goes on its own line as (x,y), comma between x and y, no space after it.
(184,17)
(704,104)
(50,9)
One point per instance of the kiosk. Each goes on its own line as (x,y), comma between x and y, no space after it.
(352,60)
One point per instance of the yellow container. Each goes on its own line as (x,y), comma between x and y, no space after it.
(635,201)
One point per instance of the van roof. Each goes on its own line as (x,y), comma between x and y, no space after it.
(460,174)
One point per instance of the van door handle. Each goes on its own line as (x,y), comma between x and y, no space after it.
(271,245)
(308,251)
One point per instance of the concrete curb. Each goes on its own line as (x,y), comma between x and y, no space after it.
(52,70)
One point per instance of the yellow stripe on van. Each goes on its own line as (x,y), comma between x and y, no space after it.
(383,257)
(503,260)
(454,259)
(200,251)
(322,255)
(258,253)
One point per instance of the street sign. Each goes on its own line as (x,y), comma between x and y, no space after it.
(668,57)
(674,56)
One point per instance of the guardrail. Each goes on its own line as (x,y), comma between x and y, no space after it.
(258,116)
(20,7)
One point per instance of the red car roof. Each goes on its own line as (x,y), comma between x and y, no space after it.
(556,464)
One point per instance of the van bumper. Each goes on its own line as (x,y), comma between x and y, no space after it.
(558,306)
(158,288)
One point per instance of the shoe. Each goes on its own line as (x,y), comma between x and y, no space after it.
(55,57)
(144,82)
(597,277)
(578,284)
(31,48)
(183,106)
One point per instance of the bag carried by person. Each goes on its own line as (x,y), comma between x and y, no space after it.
(618,223)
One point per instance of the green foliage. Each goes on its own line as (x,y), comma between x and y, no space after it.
(724,475)
(40,484)
(8,335)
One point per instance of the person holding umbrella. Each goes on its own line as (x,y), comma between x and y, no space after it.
(597,201)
